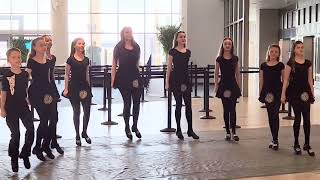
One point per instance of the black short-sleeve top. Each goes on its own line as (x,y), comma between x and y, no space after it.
(228,80)
(41,84)
(272,76)
(128,60)
(298,80)
(272,82)
(180,73)
(16,87)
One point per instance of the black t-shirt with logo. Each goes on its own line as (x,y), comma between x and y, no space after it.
(15,86)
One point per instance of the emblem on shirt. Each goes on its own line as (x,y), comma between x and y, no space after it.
(304,97)
(227,94)
(183,87)
(269,98)
(83,94)
(135,83)
(47,99)
(12,83)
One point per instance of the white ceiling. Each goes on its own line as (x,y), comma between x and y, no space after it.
(271,4)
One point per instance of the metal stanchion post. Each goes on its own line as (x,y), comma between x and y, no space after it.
(104,108)
(109,96)
(169,128)
(206,102)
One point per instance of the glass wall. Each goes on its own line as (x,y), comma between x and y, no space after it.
(99,22)
(24,19)
(234,19)
(25,16)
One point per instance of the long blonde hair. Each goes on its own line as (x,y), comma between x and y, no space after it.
(122,40)
(73,50)
(268,52)
(33,52)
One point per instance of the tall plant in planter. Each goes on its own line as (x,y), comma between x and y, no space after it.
(20,43)
(166,35)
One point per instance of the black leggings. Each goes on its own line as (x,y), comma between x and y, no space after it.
(304,110)
(273,115)
(178,95)
(13,124)
(53,125)
(86,106)
(127,95)
(229,114)
(45,131)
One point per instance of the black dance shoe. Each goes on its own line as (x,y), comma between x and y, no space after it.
(228,137)
(58,148)
(86,137)
(297,149)
(308,148)
(49,153)
(78,141)
(37,151)
(14,164)
(235,137)
(136,130)
(179,135)
(275,145)
(192,134)
(26,162)
(128,133)
(271,144)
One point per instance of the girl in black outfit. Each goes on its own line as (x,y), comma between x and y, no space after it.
(77,88)
(227,89)
(178,81)
(54,119)
(271,73)
(126,54)
(300,93)
(14,106)
(42,97)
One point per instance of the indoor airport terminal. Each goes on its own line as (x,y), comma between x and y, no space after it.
(159,89)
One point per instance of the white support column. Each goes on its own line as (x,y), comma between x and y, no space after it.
(59,28)
(184,12)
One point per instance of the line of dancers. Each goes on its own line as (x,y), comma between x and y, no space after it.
(278,83)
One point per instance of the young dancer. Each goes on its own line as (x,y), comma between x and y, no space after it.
(227,89)
(126,54)
(77,88)
(14,106)
(298,84)
(53,123)
(42,97)
(271,73)
(178,81)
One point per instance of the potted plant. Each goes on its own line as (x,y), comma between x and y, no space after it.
(20,43)
(166,36)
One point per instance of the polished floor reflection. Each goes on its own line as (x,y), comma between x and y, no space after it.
(163,156)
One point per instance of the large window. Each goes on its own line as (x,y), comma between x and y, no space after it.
(99,22)
(25,17)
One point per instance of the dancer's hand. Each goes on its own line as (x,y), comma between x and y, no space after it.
(28,102)
(216,88)
(283,99)
(3,113)
(167,86)
(65,92)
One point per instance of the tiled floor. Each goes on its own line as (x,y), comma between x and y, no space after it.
(153,117)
